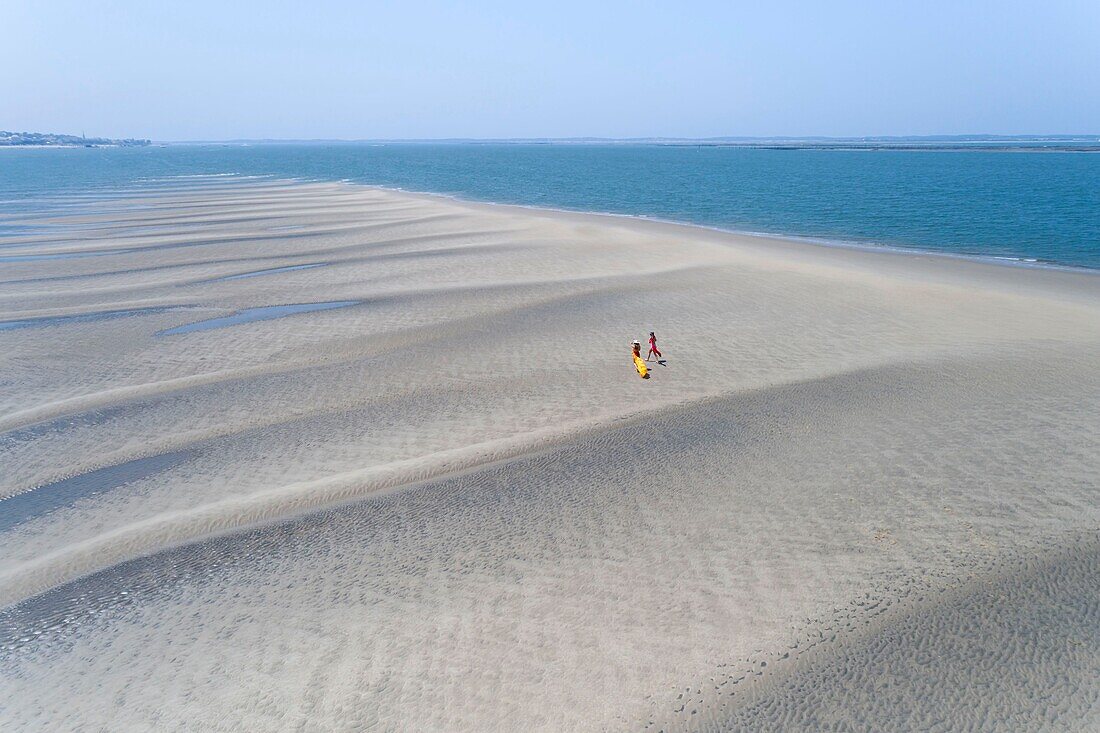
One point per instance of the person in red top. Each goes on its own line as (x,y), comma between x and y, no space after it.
(653,347)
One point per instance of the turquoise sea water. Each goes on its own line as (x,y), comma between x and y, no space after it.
(1042,207)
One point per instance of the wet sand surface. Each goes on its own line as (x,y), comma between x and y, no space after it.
(421,487)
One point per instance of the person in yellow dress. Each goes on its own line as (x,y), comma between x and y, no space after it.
(639,363)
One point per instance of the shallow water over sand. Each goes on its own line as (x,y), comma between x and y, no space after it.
(44,321)
(271,271)
(251,315)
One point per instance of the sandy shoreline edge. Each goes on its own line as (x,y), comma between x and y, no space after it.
(786,238)
(838,243)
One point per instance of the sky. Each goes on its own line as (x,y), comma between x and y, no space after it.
(204,70)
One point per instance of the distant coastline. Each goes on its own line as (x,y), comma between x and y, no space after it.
(987,143)
(54,140)
(995,143)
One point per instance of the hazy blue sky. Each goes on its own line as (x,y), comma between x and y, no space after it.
(214,70)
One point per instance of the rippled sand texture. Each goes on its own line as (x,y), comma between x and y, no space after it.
(321,457)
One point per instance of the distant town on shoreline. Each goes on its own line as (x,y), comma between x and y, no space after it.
(49,139)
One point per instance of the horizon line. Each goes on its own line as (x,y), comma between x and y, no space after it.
(976,137)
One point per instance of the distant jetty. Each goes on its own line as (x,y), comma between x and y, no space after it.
(48,139)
